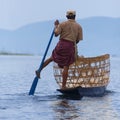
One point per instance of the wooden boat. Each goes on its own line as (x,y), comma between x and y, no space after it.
(88,76)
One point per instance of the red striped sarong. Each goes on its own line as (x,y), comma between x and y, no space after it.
(64,53)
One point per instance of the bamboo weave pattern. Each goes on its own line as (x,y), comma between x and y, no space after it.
(86,72)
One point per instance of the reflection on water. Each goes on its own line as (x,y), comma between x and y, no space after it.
(52,107)
(65,111)
(88,108)
(70,97)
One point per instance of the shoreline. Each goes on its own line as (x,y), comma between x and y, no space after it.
(19,54)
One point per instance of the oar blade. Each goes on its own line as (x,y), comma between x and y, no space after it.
(33,87)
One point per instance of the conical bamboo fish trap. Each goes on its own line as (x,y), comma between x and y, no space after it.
(86,72)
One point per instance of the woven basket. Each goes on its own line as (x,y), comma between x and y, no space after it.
(85,72)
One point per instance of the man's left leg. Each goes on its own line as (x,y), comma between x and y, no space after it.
(64,76)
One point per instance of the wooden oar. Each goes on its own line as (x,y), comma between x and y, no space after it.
(35,81)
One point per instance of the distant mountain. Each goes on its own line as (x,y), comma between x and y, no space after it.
(101,35)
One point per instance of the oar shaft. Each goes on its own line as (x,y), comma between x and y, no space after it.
(35,81)
(42,62)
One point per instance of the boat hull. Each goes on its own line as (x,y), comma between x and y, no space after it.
(85,91)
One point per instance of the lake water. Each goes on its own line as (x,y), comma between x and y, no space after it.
(16,76)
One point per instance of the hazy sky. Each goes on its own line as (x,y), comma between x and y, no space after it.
(16,13)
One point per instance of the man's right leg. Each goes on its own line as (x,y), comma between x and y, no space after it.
(44,65)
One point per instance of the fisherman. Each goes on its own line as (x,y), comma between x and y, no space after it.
(70,33)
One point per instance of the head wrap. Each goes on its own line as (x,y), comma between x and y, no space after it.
(70,13)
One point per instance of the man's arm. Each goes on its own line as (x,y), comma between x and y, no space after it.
(80,35)
(56,31)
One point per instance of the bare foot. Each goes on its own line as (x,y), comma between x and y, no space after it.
(63,88)
(37,74)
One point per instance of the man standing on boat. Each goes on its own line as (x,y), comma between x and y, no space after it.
(65,52)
